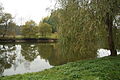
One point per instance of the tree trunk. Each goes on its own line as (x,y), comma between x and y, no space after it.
(110,35)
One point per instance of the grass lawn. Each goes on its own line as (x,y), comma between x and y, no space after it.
(54,36)
(107,68)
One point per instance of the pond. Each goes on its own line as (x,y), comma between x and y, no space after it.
(34,57)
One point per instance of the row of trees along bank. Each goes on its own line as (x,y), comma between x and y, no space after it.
(31,30)
(9,29)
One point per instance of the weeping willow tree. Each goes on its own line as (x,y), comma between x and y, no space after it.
(77,29)
(83,23)
(108,10)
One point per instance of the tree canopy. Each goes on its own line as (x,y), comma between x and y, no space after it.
(45,29)
(29,29)
(85,23)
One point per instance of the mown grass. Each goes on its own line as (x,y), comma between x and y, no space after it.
(53,35)
(107,68)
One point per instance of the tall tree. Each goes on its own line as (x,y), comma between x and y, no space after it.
(83,21)
(109,9)
(29,29)
(12,29)
(76,32)
(5,21)
(45,29)
(54,20)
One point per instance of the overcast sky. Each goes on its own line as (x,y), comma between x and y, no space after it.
(25,10)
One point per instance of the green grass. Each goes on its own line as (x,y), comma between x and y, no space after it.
(53,35)
(107,68)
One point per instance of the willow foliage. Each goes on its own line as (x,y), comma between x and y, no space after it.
(82,24)
(76,37)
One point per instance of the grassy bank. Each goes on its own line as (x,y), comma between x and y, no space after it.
(107,68)
(53,35)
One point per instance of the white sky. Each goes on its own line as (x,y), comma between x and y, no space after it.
(24,10)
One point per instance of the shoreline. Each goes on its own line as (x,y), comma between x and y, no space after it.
(106,68)
(22,40)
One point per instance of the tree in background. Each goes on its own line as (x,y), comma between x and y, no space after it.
(7,26)
(45,29)
(1,12)
(6,19)
(54,20)
(29,29)
(46,20)
(12,29)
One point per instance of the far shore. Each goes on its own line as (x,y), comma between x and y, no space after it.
(22,40)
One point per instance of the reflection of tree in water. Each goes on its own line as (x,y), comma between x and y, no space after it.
(7,57)
(45,51)
(59,58)
(51,53)
(29,51)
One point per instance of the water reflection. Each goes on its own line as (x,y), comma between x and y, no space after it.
(6,59)
(30,52)
(104,52)
(23,58)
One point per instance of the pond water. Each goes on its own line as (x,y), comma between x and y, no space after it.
(34,57)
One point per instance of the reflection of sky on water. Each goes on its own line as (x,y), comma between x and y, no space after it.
(24,58)
(26,66)
(20,65)
(104,52)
